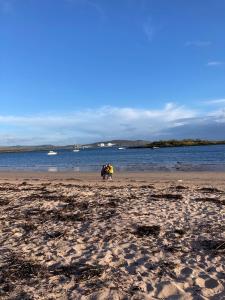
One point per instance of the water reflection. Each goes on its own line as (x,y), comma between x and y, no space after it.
(76,169)
(52,169)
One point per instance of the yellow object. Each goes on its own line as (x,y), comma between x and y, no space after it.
(110,169)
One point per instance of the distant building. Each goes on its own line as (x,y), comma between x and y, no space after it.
(87,146)
(110,144)
(101,145)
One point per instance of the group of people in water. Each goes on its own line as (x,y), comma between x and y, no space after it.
(107,172)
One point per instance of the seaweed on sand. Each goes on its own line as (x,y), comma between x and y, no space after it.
(22,296)
(179,231)
(145,230)
(209,190)
(180,187)
(81,272)
(33,213)
(166,267)
(72,204)
(214,246)
(28,227)
(16,271)
(4,202)
(15,268)
(8,187)
(53,235)
(166,196)
(75,217)
(106,214)
(209,199)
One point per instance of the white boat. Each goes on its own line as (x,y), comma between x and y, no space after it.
(155,147)
(121,148)
(52,153)
(76,150)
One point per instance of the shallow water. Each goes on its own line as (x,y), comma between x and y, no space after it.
(197,158)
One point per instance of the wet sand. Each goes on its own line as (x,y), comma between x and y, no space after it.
(141,236)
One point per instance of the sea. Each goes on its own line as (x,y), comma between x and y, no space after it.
(196,158)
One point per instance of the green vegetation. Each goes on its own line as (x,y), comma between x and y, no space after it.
(181,143)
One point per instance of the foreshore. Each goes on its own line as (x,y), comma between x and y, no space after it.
(68,235)
(119,178)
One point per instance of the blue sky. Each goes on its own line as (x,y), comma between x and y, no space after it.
(76,71)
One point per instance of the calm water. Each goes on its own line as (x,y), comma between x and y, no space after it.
(200,158)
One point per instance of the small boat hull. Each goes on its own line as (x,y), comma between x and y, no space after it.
(52,153)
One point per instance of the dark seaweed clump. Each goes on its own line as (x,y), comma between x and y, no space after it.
(144,230)
(79,271)
(167,196)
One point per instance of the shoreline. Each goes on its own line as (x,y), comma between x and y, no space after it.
(118,178)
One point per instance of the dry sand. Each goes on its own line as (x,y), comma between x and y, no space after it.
(141,236)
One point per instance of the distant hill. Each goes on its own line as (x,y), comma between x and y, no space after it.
(180,143)
(12,149)
(137,144)
(121,143)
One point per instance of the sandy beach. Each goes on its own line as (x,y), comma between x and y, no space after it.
(140,236)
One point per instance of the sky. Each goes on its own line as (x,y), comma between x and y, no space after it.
(80,71)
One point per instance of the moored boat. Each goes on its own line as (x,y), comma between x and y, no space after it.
(52,153)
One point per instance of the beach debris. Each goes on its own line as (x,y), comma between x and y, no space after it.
(147,186)
(173,248)
(8,187)
(180,187)
(53,235)
(76,217)
(166,196)
(71,203)
(23,183)
(209,190)
(107,214)
(4,202)
(217,246)
(28,227)
(79,271)
(28,213)
(179,231)
(146,230)
(210,199)
(15,268)
(23,296)
(112,204)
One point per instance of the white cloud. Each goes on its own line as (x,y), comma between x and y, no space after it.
(92,125)
(106,123)
(215,101)
(215,63)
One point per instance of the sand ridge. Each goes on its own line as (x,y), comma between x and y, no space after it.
(132,240)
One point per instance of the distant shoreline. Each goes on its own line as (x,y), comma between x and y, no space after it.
(121,143)
(181,143)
